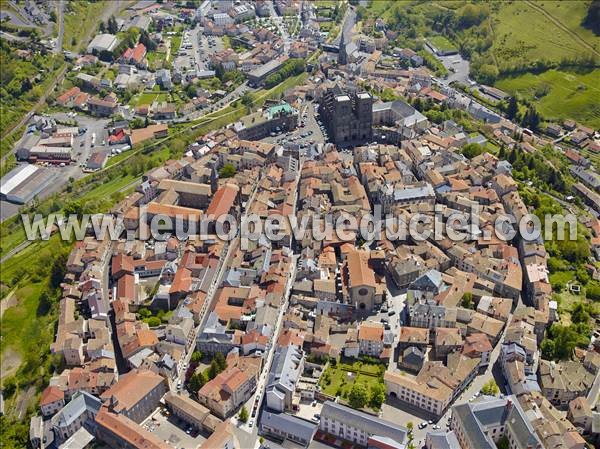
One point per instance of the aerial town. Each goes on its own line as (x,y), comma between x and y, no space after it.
(307,113)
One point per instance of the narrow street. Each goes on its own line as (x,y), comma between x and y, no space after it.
(60,17)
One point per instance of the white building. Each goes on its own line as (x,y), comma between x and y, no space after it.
(357,427)
(102,42)
(222,19)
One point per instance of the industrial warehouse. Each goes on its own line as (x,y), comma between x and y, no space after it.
(25,182)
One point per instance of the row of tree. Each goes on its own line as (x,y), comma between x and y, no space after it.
(291,67)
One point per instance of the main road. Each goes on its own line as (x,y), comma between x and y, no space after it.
(264,375)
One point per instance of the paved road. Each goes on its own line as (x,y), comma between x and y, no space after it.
(349,22)
(19,19)
(61,26)
(210,300)
(278,20)
(264,376)
(12,37)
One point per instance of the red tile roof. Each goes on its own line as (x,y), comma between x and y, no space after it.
(51,394)
(128,430)
(222,201)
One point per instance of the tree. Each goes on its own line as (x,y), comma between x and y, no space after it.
(490,388)
(581,313)
(244,415)
(137,123)
(471,150)
(147,41)
(467,300)
(197,381)
(221,362)
(112,27)
(359,396)
(503,443)
(53,16)
(196,357)
(487,73)
(227,171)
(592,18)
(561,341)
(217,365)
(593,292)
(512,109)
(247,99)
(531,119)
(410,426)
(377,396)
(153,321)
(471,15)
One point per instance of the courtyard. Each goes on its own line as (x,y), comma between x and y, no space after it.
(339,377)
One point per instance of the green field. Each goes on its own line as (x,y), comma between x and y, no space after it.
(571,14)
(79,18)
(522,33)
(175,44)
(560,94)
(442,43)
(338,380)
(147,98)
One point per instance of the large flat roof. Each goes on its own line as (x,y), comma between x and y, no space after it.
(16,177)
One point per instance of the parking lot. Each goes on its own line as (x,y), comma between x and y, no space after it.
(310,410)
(308,132)
(193,54)
(173,431)
(400,413)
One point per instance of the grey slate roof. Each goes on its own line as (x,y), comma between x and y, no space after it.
(302,429)
(369,423)
(285,370)
(82,401)
(430,281)
(486,412)
(439,439)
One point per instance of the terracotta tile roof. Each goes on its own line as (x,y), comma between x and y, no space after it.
(122,262)
(172,211)
(126,287)
(476,344)
(51,394)
(220,437)
(132,388)
(65,97)
(222,201)
(370,331)
(127,430)
(290,337)
(182,282)
(141,134)
(359,271)
(414,335)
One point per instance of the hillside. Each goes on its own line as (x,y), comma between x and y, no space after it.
(506,42)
